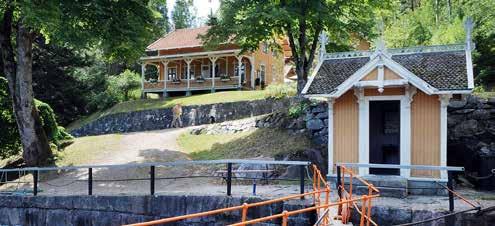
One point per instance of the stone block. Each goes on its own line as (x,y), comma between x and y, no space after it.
(314,124)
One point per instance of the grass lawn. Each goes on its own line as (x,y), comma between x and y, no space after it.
(137,105)
(86,150)
(261,142)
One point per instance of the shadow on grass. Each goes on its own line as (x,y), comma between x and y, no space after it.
(261,142)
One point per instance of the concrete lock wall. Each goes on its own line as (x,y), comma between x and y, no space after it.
(118,210)
(192,115)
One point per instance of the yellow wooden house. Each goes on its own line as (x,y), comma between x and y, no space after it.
(389,106)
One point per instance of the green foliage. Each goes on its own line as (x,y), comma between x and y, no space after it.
(125,83)
(279,91)
(413,23)
(251,22)
(161,15)
(54,83)
(117,89)
(9,140)
(479,89)
(298,109)
(122,29)
(54,132)
(182,15)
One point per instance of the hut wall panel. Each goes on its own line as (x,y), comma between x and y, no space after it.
(425,133)
(346,127)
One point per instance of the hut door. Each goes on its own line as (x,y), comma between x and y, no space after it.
(384,135)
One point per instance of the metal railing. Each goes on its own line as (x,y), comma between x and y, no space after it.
(35,172)
(449,188)
(324,217)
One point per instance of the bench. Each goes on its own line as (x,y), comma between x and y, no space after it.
(223,174)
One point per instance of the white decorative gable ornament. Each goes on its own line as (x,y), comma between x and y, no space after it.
(323,39)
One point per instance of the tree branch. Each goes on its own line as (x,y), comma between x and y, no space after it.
(292,45)
(313,47)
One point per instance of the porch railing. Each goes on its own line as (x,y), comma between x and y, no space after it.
(194,84)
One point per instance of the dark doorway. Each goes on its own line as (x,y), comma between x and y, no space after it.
(384,131)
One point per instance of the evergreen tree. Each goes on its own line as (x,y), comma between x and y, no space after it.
(182,15)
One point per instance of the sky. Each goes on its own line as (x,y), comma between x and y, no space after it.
(202,7)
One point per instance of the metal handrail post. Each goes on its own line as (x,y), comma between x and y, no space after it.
(301,175)
(35,182)
(229,179)
(90,181)
(152,180)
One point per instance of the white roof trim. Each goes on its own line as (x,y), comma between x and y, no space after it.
(312,77)
(358,75)
(377,83)
(411,77)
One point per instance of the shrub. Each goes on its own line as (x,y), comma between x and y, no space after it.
(479,89)
(10,143)
(125,83)
(296,110)
(54,132)
(280,91)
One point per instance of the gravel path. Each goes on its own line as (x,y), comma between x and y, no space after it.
(139,147)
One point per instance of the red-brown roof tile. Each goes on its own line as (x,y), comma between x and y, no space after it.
(180,38)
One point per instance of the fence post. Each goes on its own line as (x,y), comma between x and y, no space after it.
(339,182)
(35,182)
(229,179)
(301,177)
(90,181)
(339,192)
(152,180)
(450,219)
(451,187)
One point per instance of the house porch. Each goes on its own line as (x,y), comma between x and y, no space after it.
(196,72)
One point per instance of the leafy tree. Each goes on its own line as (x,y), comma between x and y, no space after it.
(126,82)
(9,140)
(121,29)
(54,82)
(162,17)
(182,15)
(250,22)
(441,22)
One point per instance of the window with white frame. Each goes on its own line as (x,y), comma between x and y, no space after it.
(243,71)
(205,71)
(172,73)
(262,73)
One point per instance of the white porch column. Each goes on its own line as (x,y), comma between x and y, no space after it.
(444,102)
(363,156)
(227,66)
(405,130)
(330,102)
(239,64)
(213,72)
(143,70)
(188,62)
(251,61)
(165,75)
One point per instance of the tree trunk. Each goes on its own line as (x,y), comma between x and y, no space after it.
(33,138)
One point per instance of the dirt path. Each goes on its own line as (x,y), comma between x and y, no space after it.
(137,147)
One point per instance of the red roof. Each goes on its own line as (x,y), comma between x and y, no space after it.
(180,38)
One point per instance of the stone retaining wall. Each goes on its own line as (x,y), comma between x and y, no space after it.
(192,115)
(119,210)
